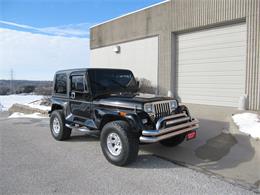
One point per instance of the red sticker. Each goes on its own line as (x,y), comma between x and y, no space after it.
(191,135)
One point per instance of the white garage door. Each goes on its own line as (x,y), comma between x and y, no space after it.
(211,66)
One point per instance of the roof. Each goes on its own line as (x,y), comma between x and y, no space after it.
(85,69)
(71,70)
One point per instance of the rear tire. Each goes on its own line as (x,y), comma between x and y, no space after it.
(57,126)
(173,141)
(119,145)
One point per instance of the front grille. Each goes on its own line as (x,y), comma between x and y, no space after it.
(161,110)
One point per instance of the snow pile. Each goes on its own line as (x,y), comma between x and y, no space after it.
(6,101)
(33,101)
(37,104)
(248,123)
(1,107)
(22,115)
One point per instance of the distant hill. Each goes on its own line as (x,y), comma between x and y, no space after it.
(25,86)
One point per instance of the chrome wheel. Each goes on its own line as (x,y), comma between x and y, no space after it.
(114,144)
(56,125)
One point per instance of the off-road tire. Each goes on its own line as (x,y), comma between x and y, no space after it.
(129,143)
(64,132)
(173,141)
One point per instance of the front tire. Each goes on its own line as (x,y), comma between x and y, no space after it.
(57,125)
(119,145)
(173,141)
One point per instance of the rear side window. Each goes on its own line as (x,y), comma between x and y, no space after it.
(61,83)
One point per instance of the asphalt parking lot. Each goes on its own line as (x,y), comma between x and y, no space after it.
(32,162)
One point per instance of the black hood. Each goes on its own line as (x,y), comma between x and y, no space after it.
(131,100)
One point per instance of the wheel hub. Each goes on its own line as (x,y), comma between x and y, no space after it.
(114,144)
(56,125)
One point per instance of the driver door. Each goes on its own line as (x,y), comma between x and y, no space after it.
(79,97)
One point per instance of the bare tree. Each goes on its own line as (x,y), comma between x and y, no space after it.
(146,86)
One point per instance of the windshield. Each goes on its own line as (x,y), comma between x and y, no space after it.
(104,81)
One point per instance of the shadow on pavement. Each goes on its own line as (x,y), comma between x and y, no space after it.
(212,144)
(78,136)
(215,149)
(83,138)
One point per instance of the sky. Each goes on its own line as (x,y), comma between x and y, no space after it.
(39,37)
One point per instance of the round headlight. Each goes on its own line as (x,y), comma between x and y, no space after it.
(173,104)
(148,108)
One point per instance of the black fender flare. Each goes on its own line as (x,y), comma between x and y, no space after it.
(135,122)
(56,104)
(132,119)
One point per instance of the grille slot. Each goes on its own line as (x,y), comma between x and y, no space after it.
(161,109)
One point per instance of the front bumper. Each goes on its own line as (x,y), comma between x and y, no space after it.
(169,126)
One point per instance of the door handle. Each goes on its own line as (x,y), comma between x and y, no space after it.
(72,95)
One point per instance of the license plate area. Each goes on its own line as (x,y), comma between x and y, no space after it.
(191,135)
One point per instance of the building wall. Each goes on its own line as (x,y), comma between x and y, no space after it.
(173,17)
(143,24)
(140,56)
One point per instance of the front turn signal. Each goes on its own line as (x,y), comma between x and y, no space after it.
(122,114)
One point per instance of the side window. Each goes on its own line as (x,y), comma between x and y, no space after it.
(77,83)
(61,83)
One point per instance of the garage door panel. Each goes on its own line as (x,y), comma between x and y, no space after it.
(225,52)
(211,74)
(213,43)
(210,68)
(235,50)
(205,86)
(228,37)
(221,60)
(215,46)
(211,98)
(216,92)
(211,65)
(211,80)
(236,29)
(210,102)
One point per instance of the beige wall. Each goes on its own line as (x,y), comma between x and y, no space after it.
(140,56)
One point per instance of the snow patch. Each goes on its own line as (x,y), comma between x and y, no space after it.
(248,123)
(6,101)
(22,115)
(37,104)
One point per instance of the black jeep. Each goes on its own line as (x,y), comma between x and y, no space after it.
(107,100)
